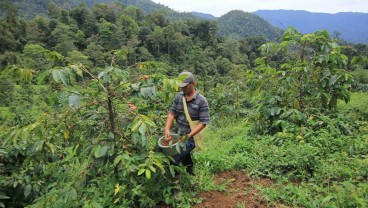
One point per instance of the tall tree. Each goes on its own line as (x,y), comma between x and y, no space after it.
(54,11)
(64,39)
(38,31)
(80,14)
(102,11)
(157,38)
(230,49)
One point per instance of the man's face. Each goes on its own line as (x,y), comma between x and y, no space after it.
(187,89)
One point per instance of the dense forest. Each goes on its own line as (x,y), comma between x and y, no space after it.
(85,90)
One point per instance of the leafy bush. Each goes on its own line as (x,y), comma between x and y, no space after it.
(98,148)
(308,80)
(361,76)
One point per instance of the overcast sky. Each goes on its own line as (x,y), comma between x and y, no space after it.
(221,7)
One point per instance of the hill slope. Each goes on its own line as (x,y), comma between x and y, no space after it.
(238,24)
(353,27)
(29,9)
(204,15)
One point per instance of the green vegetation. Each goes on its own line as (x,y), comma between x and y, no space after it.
(29,9)
(323,170)
(84,96)
(238,24)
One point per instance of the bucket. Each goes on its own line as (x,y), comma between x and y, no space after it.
(169,150)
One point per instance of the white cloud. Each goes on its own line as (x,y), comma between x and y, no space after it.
(220,7)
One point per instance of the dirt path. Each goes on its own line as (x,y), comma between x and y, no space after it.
(241,192)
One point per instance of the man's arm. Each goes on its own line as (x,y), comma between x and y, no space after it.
(169,122)
(197,129)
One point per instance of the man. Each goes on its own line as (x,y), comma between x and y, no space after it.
(198,110)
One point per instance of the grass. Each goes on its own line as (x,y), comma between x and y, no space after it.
(325,171)
(358,102)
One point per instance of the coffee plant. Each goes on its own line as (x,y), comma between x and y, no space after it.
(98,149)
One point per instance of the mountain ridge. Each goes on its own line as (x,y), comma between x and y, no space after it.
(239,24)
(349,26)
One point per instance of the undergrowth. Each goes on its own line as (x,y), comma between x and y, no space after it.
(320,171)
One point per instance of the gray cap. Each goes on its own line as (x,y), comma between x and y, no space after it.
(189,78)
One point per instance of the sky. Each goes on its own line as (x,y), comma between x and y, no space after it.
(220,7)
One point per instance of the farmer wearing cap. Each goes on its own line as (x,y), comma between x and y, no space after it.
(198,110)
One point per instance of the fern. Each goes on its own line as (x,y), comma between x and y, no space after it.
(360,87)
(21,74)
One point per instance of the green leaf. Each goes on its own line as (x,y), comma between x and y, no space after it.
(159,165)
(273,111)
(117,159)
(136,125)
(333,79)
(143,129)
(276,123)
(51,147)
(27,190)
(12,136)
(42,77)
(141,171)
(283,125)
(39,146)
(56,75)
(73,193)
(148,91)
(96,205)
(147,120)
(101,151)
(153,169)
(52,56)
(171,169)
(77,70)
(327,199)
(122,53)
(177,147)
(301,116)
(104,72)
(148,174)
(3,196)
(74,101)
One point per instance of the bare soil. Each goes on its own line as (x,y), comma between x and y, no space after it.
(241,192)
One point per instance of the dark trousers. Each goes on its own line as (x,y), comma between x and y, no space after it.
(184,157)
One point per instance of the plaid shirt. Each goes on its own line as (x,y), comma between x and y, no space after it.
(197,108)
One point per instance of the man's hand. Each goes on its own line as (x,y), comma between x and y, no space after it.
(184,137)
(169,122)
(167,135)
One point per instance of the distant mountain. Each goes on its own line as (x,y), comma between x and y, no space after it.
(239,24)
(203,15)
(353,27)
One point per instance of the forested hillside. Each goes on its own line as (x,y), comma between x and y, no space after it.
(29,9)
(84,94)
(238,24)
(235,24)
